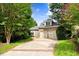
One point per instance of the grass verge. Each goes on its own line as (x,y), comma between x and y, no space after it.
(6,47)
(65,48)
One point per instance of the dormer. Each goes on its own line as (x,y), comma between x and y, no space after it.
(49,22)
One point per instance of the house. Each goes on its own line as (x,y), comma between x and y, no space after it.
(47,29)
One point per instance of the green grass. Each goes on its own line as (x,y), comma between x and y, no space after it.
(6,47)
(65,48)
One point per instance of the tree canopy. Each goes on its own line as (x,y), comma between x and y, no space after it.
(15,17)
(55,8)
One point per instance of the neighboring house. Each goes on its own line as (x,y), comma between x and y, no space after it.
(47,29)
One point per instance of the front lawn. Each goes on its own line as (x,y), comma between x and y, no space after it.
(65,48)
(6,47)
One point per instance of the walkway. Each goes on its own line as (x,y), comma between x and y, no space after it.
(39,47)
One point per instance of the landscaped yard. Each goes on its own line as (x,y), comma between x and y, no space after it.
(65,48)
(6,47)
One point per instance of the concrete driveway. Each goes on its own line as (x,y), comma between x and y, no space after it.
(38,47)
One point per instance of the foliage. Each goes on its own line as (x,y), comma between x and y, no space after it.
(63,32)
(68,19)
(74,10)
(65,48)
(71,16)
(16,18)
(2,36)
(64,25)
(55,8)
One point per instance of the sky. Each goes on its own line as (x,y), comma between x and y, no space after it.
(40,12)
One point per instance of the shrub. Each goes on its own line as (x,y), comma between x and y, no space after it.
(63,33)
(65,48)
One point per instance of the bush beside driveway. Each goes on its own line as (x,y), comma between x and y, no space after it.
(65,48)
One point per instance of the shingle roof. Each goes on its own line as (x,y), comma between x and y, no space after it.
(43,26)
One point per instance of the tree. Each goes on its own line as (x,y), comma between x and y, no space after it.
(70,19)
(74,20)
(56,9)
(66,18)
(57,14)
(13,16)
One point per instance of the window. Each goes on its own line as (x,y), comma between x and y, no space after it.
(52,23)
(47,23)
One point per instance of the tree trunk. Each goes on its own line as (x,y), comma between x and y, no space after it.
(8,37)
(8,34)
